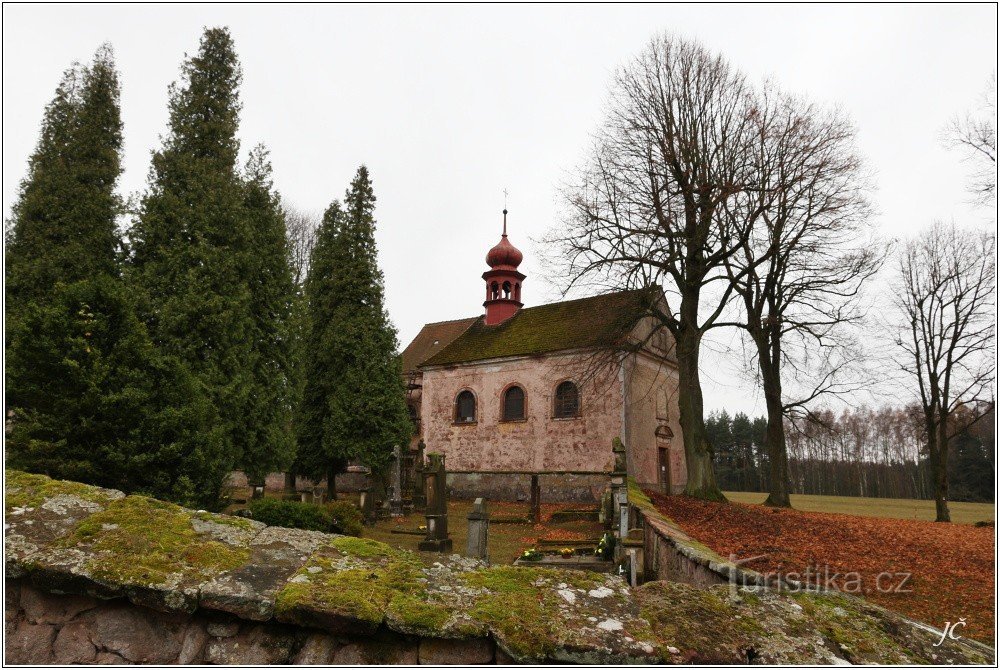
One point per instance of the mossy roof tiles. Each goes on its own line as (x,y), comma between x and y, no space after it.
(597,321)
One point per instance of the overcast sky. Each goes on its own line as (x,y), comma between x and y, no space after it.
(448,106)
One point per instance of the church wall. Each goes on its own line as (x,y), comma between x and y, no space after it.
(540,442)
(650,403)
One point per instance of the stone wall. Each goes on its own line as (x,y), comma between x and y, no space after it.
(555,488)
(352,481)
(95,576)
(47,629)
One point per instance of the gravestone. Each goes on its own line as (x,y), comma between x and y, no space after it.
(477,544)
(366,502)
(619,491)
(436,492)
(419,495)
(536,500)
(406,479)
(395,494)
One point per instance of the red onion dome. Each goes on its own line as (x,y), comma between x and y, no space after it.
(504,255)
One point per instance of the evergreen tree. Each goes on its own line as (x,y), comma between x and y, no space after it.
(354,401)
(192,246)
(63,224)
(970,473)
(97,403)
(92,399)
(270,444)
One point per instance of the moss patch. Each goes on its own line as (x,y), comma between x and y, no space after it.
(851,624)
(522,611)
(142,541)
(28,490)
(227,520)
(703,625)
(355,579)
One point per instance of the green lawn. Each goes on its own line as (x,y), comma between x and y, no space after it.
(892,508)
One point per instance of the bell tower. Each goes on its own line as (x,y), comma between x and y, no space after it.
(503,281)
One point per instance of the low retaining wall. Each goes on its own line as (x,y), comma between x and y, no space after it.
(46,629)
(555,488)
(95,576)
(351,481)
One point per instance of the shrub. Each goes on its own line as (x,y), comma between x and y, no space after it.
(345,518)
(337,517)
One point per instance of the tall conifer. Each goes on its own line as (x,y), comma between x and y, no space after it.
(63,224)
(270,443)
(354,406)
(92,399)
(192,242)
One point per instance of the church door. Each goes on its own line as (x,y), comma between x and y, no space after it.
(664,468)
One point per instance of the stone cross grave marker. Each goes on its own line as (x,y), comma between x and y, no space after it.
(477,544)
(436,490)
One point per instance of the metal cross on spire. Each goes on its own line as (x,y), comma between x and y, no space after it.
(505,194)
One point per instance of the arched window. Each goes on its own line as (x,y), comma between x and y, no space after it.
(465,407)
(567,402)
(506,290)
(495,290)
(513,404)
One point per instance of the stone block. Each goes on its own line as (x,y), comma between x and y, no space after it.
(137,634)
(73,646)
(249,590)
(41,607)
(477,651)
(31,644)
(223,628)
(193,646)
(257,645)
(318,649)
(377,652)
(109,658)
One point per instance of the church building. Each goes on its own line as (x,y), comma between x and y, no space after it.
(517,391)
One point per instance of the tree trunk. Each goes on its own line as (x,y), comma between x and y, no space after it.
(769,358)
(697,450)
(940,471)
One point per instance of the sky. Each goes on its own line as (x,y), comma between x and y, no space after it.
(449,106)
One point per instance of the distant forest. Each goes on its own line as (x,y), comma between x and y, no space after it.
(867,452)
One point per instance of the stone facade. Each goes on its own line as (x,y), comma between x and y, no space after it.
(634,401)
(537,443)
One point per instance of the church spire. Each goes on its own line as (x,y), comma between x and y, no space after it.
(503,281)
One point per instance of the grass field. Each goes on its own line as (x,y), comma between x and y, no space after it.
(885,508)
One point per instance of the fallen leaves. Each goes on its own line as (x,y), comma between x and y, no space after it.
(952,567)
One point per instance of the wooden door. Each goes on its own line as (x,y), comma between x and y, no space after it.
(664,468)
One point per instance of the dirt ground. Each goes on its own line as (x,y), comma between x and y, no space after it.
(931,572)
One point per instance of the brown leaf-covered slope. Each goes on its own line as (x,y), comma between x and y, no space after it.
(952,566)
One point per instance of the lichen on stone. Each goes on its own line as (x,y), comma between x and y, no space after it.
(142,541)
(25,490)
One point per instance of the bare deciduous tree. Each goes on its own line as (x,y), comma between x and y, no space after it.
(647,207)
(301,229)
(801,265)
(976,135)
(947,300)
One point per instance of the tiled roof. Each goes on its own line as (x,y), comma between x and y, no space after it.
(597,321)
(431,339)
